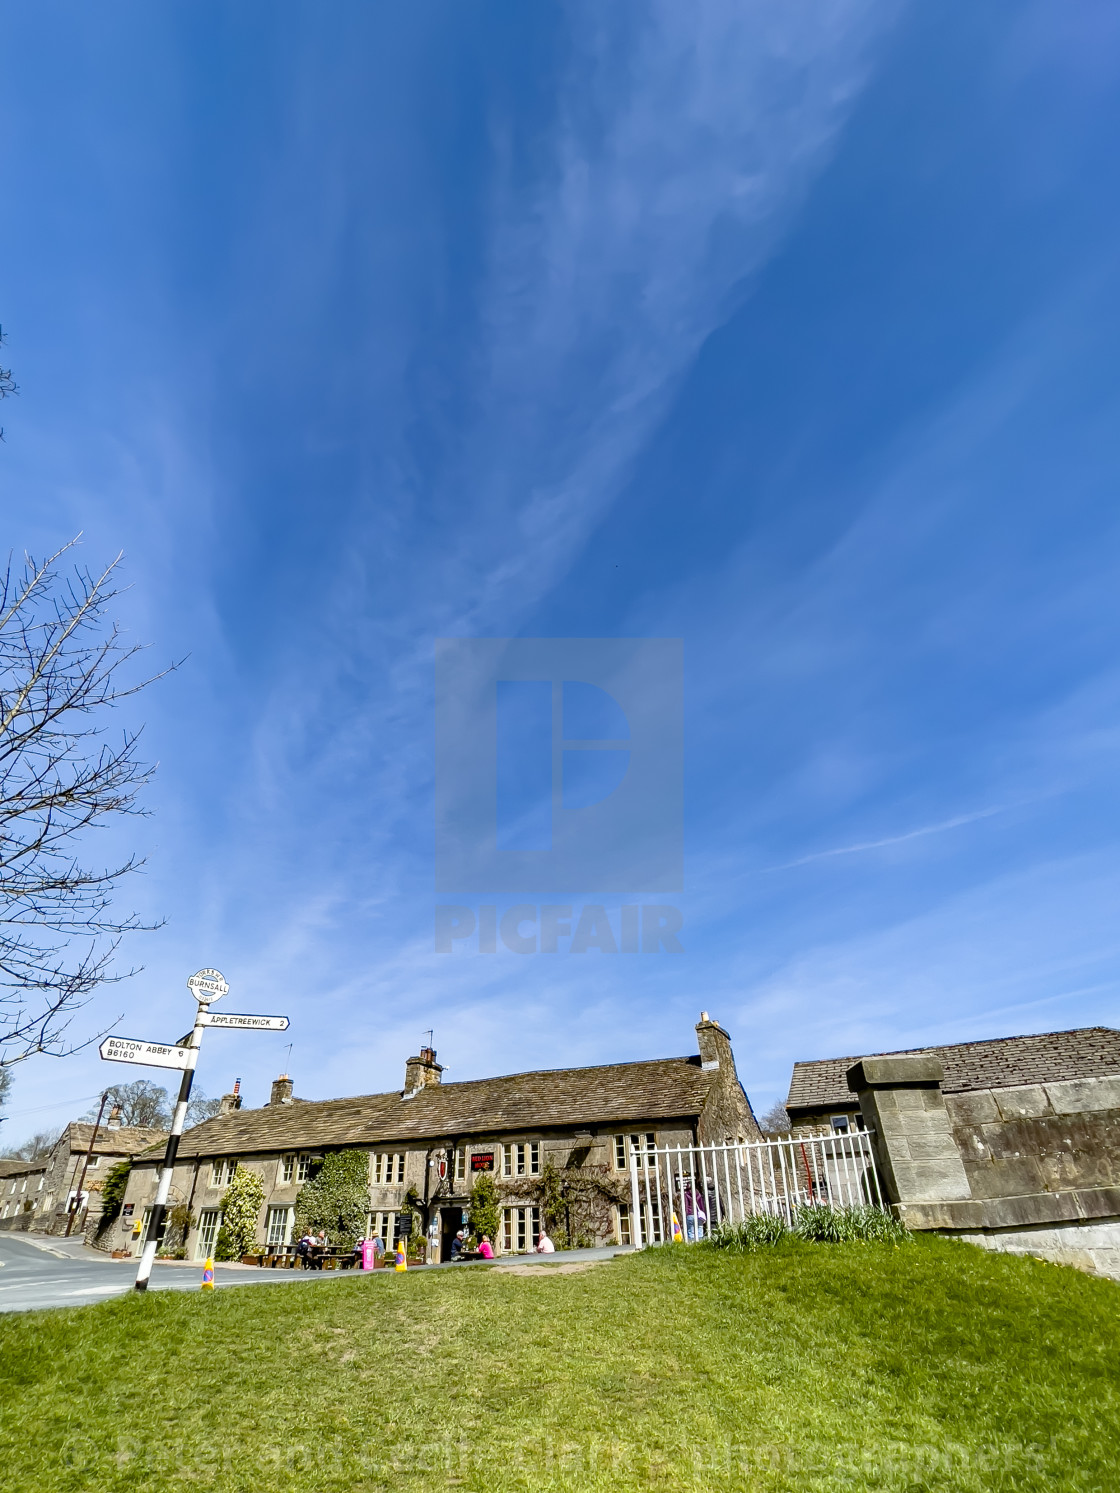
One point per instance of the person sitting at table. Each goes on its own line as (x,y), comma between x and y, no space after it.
(318,1250)
(485,1248)
(457,1245)
(303,1249)
(545,1245)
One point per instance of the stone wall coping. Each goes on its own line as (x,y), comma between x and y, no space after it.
(924,1068)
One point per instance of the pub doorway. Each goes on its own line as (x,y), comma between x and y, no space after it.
(451,1220)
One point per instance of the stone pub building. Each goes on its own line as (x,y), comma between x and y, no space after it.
(432,1140)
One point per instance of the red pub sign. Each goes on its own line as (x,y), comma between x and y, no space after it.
(482,1161)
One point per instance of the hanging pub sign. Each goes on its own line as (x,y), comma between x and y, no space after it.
(482,1161)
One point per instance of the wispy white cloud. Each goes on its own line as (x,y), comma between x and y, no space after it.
(913,834)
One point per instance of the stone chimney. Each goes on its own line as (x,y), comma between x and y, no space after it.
(114,1120)
(281,1090)
(232,1101)
(421,1071)
(715,1045)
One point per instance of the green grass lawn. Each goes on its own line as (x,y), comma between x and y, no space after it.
(815,1367)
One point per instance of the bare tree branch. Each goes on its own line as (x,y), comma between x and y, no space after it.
(61,663)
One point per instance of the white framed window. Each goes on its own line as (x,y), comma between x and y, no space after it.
(520,1228)
(649,1220)
(388,1167)
(460,1163)
(13,1187)
(622,1224)
(42,1180)
(303,1166)
(521,1160)
(386,1227)
(222,1170)
(644,1144)
(23,1189)
(840,1124)
(209,1222)
(4,1214)
(94,1163)
(287,1169)
(279,1226)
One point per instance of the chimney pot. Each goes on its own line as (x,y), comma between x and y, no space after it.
(114,1120)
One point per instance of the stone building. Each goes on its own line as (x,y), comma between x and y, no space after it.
(36,1195)
(1013,1144)
(433,1140)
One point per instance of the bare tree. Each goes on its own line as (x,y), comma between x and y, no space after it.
(38,1145)
(140,1103)
(8,385)
(775,1121)
(145,1103)
(61,663)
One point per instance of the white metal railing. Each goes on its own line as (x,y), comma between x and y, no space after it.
(684,1191)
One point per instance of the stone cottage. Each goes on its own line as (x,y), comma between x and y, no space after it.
(1013,1144)
(434,1139)
(36,1195)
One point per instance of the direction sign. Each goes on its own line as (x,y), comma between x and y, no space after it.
(148,1054)
(245,1023)
(207,985)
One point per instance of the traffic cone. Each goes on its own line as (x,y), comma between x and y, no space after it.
(402,1255)
(208,1276)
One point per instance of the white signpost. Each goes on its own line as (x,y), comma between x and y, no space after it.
(245,1023)
(206,986)
(150,1054)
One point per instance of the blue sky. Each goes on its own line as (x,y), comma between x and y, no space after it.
(783,327)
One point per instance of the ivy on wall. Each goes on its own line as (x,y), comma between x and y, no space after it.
(241,1209)
(336,1199)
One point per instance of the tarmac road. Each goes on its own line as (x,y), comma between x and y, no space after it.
(38,1271)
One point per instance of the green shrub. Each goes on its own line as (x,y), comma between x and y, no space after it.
(755,1232)
(815,1222)
(821,1224)
(336,1200)
(485,1213)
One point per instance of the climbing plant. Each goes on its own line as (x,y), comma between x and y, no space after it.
(241,1208)
(485,1211)
(113,1190)
(336,1199)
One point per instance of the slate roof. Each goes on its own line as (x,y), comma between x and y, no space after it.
(12,1166)
(120,1140)
(1001,1063)
(617,1093)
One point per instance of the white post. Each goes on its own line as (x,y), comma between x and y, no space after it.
(636,1230)
(159,1208)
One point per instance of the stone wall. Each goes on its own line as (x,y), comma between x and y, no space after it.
(1030,1169)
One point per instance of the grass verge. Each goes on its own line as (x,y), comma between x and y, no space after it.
(800,1367)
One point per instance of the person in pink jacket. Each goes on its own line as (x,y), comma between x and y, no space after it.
(485,1248)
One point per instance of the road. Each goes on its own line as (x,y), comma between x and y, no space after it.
(38,1271)
(41,1272)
